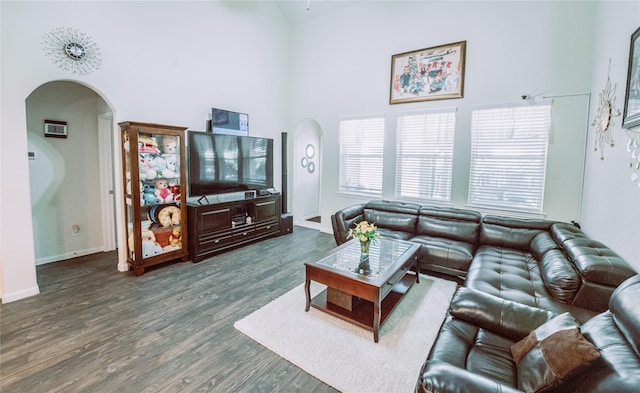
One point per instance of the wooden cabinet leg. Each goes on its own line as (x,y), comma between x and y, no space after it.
(139,271)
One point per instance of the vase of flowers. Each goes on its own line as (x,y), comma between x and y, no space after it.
(366,233)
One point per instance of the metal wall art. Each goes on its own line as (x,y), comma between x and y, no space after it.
(72,50)
(604,118)
(631,118)
(306,161)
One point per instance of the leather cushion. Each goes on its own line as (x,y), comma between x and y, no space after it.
(619,370)
(510,319)
(597,262)
(515,275)
(391,220)
(394,234)
(542,243)
(445,252)
(560,278)
(510,232)
(479,351)
(624,305)
(562,231)
(463,231)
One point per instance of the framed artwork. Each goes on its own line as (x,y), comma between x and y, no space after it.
(435,73)
(631,116)
(55,129)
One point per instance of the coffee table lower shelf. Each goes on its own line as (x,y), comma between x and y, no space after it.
(362,313)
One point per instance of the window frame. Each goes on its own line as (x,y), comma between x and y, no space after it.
(513,164)
(446,133)
(375,159)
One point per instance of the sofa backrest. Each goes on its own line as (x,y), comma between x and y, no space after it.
(560,277)
(595,262)
(449,223)
(625,308)
(344,219)
(515,233)
(400,216)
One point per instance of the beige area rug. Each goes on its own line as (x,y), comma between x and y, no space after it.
(344,355)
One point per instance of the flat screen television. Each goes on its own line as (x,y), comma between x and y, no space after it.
(228,122)
(222,163)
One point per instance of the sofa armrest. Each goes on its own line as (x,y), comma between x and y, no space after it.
(439,377)
(344,219)
(504,317)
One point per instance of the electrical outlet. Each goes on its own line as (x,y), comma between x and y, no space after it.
(75,230)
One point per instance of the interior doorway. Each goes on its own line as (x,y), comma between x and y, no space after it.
(307,168)
(71,175)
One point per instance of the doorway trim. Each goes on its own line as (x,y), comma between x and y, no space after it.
(107,180)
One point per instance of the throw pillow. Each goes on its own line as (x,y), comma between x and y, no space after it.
(552,353)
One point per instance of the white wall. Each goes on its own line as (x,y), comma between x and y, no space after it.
(162,62)
(65,174)
(611,210)
(513,48)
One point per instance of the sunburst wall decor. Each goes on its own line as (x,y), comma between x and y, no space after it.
(604,118)
(72,50)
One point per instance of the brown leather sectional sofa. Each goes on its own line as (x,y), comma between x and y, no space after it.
(517,274)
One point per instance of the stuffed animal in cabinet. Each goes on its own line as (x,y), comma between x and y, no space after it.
(162,190)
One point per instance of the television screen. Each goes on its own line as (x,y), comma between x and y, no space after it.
(227,122)
(220,163)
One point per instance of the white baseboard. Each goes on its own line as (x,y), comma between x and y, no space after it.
(21,294)
(74,254)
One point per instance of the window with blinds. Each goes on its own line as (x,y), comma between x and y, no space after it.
(509,157)
(424,155)
(361,155)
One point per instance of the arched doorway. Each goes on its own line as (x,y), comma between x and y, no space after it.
(307,168)
(72,178)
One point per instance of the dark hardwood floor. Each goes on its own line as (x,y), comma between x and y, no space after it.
(94,329)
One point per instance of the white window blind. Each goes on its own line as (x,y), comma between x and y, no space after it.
(424,155)
(509,157)
(361,153)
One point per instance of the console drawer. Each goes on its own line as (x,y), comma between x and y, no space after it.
(271,226)
(213,241)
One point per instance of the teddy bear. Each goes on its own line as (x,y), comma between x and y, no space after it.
(170,166)
(162,190)
(170,144)
(176,237)
(159,165)
(149,245)
(175,240)
(147,167)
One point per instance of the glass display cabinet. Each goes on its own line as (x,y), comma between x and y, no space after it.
(154,182)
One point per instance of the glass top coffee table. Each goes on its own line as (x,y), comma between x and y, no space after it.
(359,293)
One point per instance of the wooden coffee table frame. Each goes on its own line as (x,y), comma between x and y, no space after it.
(381,294)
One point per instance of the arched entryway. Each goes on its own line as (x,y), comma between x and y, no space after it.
(307,168)
(72,180)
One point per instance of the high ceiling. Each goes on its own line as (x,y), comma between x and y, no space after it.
(296,10)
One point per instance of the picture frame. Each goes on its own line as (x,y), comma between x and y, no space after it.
(55,129)
(435,73)
(631,116)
